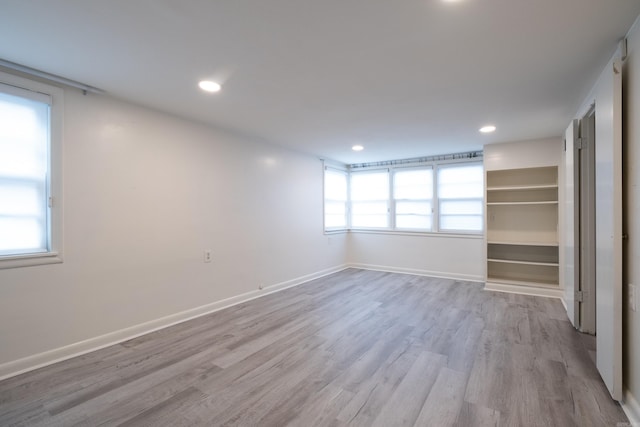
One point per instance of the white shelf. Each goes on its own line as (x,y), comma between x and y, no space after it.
(528,243)
(542,202)
(525,288)
(510,281)
(523,187)
(510,261)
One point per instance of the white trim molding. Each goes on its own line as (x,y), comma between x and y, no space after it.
(524,290)
(418,272)
(30,363)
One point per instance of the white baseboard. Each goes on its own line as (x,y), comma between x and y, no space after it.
(29,363)
(524,290)
(631,408)
(418,272)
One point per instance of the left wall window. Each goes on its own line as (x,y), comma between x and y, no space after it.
(335,199)
(30,204)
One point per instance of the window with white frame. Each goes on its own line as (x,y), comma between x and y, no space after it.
(443,195)
(412,197)
(370,199)
(335,199)
(30,122)
(460,197)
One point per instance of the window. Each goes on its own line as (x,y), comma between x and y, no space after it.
(370,199)
(412,194)
(29,172)
(335,199)
(460,194)
(441,195)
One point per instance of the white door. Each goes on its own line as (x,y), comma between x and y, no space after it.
(570,223)
(609,228)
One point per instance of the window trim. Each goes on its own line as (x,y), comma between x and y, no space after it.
(55,210)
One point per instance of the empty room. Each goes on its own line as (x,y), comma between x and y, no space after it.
(329,213)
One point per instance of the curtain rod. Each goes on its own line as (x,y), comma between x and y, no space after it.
(468,155)
(48,76)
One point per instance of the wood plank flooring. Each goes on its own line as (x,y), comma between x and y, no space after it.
(357,348)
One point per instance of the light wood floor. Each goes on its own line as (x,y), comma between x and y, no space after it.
(357,348)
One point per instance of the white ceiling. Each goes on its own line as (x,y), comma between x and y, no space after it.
(404,78)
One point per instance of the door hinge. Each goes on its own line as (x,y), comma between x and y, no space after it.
(50,202)
(579,296)
(580,143)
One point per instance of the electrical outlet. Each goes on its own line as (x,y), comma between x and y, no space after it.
(632,297)
(207,255)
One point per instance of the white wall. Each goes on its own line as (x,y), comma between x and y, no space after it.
(460,257)
(145,193)
(524,154)
(631,177)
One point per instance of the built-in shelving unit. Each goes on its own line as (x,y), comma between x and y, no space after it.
(522,228)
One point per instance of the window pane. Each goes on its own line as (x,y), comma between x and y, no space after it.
(334,221)
(460,193)
(461,222)
(24,127)
(21,235)
(335,185)
(370,199)
(414,222)
(21,198)
(414,208)
(335,199)
(413,184)
(464,207)
(413,215)
(413,190)
(369,208)
(370,186)
(335,214)
(24,144)
(369,214)
(335,208)
(460,182)
(373,221)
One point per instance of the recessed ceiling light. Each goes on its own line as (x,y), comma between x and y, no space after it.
(209,86)
(357,147)
(488,129)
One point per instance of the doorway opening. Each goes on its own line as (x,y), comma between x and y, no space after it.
(585,154)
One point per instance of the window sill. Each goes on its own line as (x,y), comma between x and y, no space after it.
(420,233)
(29,260)
(459,235)
(336,231)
